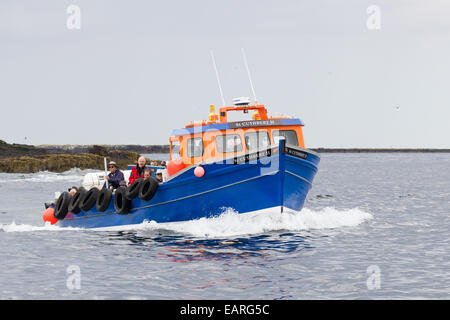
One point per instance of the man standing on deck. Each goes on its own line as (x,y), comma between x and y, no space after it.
(138,171)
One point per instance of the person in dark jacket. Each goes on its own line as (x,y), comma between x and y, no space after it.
(147,173)
(138,171)
(114,177)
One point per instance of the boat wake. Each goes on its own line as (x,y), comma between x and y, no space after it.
(13,227)
(73,175)
(230,223)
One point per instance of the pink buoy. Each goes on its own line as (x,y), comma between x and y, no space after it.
(199,172)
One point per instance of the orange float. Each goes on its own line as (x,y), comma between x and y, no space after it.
(49,217)
(175,165)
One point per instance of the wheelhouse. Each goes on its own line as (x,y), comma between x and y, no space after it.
(217,138)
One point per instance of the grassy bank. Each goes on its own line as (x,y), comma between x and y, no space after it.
(17,158)
(85,148)
(380,150)
(16,150)
(64,162)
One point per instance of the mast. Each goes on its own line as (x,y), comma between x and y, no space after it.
(218,80)
(249,76)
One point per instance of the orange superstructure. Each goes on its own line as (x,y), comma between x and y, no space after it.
(217,138)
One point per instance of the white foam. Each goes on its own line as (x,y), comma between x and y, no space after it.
(231,223)
(13,227)
(72,175)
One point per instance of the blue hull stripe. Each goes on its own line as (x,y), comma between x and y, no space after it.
(296,175)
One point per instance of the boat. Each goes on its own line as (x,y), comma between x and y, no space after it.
(248,166)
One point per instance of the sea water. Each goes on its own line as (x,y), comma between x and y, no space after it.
(374,226)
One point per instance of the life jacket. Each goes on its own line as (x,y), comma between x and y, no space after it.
(136,173)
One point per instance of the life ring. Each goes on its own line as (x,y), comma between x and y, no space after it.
(133,189)
(148,189)
(62,206)
(103,200)
(89,198)
(121,203)
(74,204)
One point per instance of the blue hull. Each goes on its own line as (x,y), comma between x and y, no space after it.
(279,176)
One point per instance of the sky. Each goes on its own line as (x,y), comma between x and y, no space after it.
(135,70)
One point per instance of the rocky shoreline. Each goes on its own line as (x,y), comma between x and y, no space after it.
(20,158)
(16,150)
(17,158)
(380,150)
(62,162)
(122,147)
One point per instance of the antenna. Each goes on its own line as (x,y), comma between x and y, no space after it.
(249,76)
(217,76)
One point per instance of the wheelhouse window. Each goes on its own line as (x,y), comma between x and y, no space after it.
(195,147)
(228,143)
(256,140)
(175,154)
(289,135)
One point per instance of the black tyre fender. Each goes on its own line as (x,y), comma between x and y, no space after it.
(148,189)
(75,201)
(103,200)
(121,203)
(89,199)
(133,189)
(62,206)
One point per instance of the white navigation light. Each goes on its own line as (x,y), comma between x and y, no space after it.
(242,101)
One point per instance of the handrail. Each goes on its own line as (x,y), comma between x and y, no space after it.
(260,108)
